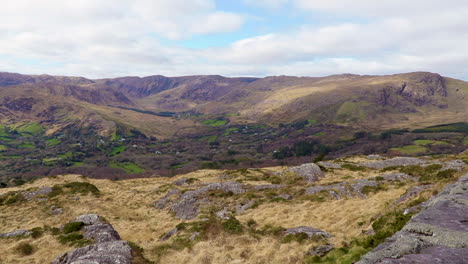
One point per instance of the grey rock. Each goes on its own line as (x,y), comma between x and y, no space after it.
(194,235)
(16,233)
(412,192)
(453,164)
(241,208)
(320,250)
(309,231)
(40,192)
(398,161)
(56,210)
(268,186)
(101,233)
(107,247)
(168,234)
(439,233)
(374,157)
(396,177)
(89,219)
(114,252)
(180,182)
(310,171)
(185,209)
(223,214)
(284,196)
(187,204)
(329,165)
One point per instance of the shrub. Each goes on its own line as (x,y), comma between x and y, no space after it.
(73,188)
(72,227)
(353,167)
(446,174)
(24,249)
(373,189)
(37,232)
(298,237)
(233,226)
(73,239)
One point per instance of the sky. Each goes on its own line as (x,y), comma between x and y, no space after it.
(103,38)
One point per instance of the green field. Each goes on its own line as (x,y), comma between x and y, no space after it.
(52,142)
(209,139)
(26,146)
(32,128)
(128,167)
(410,149)
(214,122)
(3,148)
(117,150)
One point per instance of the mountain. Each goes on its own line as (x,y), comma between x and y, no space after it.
(159,125)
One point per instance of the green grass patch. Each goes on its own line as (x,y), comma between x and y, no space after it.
(455,127)
(32,128)
(3,148)
(319,134)
(74,188)
(26,146)
(72,227)
(117,150)
(214,122)
(52,142)
(353,167)
(128,167)
(209,139)
(410,149)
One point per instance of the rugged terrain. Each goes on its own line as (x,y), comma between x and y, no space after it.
(329,212)
(137,127)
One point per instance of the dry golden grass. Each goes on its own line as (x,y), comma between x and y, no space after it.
(127,206)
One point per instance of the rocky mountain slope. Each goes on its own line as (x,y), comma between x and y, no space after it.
(336,210)
(393,101)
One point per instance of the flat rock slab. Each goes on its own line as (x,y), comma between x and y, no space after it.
(398,161)
(16,233)
(438,234)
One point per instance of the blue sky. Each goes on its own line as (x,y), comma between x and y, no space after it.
(99,38)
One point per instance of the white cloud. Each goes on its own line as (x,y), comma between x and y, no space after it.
(270,4)
(114,38)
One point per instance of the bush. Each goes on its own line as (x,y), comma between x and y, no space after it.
(373,189)
(233,226)
(72,227)
(353,167)
(24,249)
(73,188)
(73,239)
(298,237)
(446,174)
(37,232)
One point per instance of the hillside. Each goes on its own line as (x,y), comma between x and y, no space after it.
(156,125)
(304,214)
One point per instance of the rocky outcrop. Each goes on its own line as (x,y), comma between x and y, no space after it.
(356,187)
(186,205)
(398,161)
(320,250)
(307,230)
(438,234)
(107,247)
(329,165)
(16,233)
(310,171)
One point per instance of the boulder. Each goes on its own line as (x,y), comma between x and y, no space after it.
(102,253)
(438,234)
(320,250)
(107,248)
(329,165)
(309,231)
(168,234)
(310,171)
